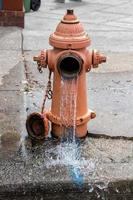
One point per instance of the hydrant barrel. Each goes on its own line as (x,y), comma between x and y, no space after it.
(70,60)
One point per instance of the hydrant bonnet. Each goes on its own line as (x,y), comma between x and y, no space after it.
(69,34)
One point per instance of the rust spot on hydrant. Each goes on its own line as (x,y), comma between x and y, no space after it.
(70,42)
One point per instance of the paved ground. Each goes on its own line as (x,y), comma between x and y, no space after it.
(94,169)
(104,160)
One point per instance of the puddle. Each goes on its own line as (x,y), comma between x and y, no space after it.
(11,112)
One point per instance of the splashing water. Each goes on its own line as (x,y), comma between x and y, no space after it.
(68,151)
(69,155)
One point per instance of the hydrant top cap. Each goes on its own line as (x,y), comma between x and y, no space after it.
(70,11)
(70,33)
(70,17)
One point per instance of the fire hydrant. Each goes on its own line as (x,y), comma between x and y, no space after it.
(69,58)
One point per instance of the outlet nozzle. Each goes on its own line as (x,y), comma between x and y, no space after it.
(69,66)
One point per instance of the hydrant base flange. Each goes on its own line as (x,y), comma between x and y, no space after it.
(81,123)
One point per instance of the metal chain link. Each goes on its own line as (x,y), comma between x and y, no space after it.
(48,92)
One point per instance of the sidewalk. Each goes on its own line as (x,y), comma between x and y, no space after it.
(105,164)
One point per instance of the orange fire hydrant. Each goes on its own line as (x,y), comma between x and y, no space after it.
(69,58)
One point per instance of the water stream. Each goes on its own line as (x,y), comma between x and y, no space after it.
(68,105)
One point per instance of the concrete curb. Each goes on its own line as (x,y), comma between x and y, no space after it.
(122,189)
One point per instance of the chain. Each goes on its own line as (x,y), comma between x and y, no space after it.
(48,92)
